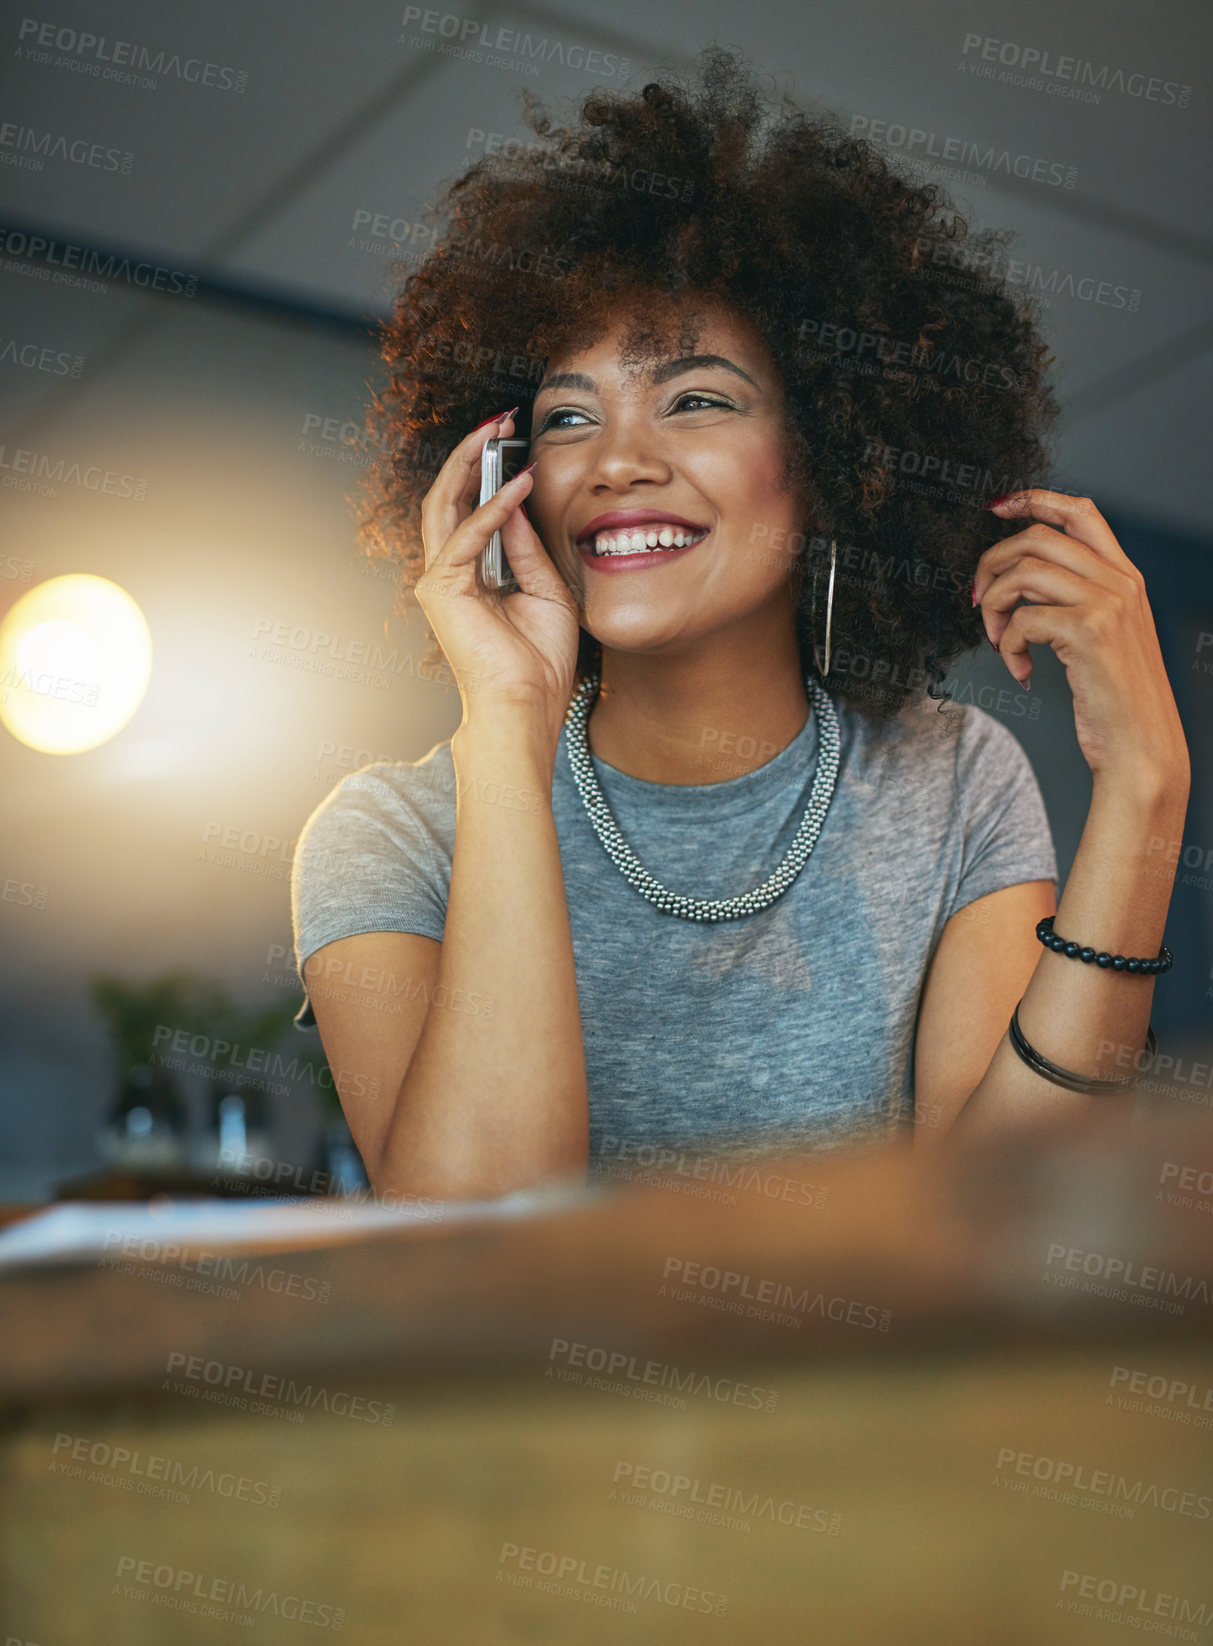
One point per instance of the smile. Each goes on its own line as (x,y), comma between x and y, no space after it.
(655,544)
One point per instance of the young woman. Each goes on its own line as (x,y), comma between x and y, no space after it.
(766,894)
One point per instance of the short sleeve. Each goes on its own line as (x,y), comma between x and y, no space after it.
(368,859)
(1004,825)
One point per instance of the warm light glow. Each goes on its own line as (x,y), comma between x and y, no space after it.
(75,660)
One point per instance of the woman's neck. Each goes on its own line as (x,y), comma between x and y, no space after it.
(705,715)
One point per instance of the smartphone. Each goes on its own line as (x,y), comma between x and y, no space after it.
(500,461)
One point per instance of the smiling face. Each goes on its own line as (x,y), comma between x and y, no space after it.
(658,486)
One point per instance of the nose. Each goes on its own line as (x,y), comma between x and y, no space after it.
(625,454)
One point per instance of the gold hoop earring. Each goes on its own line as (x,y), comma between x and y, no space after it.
(824,668)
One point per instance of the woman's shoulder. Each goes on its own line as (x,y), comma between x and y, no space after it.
(936,742)
(392,793)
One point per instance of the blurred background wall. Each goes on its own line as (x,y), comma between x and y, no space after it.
(273,162)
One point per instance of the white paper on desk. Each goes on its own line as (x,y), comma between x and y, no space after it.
(75,1231)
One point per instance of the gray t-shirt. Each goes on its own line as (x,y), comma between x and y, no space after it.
(791,1027)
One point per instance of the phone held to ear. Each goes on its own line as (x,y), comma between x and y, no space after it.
(499,461)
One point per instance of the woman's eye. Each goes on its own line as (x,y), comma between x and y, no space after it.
(553,419)
(704,400)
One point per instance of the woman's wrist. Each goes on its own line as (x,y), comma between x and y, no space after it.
(1156,797)
(1163,779)
(501,742)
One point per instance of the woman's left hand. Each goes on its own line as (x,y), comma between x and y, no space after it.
(1088,601)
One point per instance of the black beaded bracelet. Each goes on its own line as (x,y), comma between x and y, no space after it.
(1117,962)
(1066,1077)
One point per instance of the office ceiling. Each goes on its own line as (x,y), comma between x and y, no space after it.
(350,114)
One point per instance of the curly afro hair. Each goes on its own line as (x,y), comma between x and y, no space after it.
(915,379)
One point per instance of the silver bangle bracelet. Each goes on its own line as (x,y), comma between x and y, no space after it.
(1041,1065)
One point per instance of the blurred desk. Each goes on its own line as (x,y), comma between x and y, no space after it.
(864,1396)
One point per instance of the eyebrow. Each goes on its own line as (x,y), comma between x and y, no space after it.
(662,374)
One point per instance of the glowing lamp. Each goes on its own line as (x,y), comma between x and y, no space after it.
(75,661)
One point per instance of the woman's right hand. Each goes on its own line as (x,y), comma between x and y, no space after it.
(516,650)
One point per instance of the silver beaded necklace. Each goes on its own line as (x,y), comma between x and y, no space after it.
(630,866)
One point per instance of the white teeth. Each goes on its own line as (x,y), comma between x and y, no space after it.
(638,542)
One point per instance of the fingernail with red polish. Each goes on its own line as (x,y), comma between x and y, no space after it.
(527,470)
(995,501)
(992,644)
(497,417)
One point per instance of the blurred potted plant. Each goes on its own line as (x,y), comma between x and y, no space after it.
(239,1132)
(178,1024)
(147,1125)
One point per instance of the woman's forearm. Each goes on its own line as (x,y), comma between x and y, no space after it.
(1087,1019)
(495,1103)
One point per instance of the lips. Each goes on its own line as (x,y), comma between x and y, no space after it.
(642,539)
(636,561)
(620,520)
